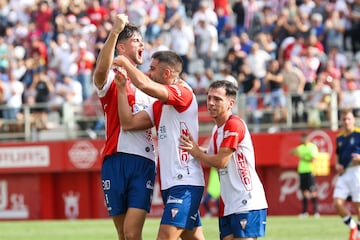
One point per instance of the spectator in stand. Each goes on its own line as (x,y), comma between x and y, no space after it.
(269,16)
(284,26)
(68,90)
(354,15)
(40,92)
(317,27)
(258,60)
(199,82)
(204,12)
(225,74)
(246,42)
(208,43)
(13,99)
(274,81)
(238,9)
(4,54)
(137,14)
(252,16)
(157,45)
(174,10)
(182,42)
(338,58)
(302,23)
(294,49)
(250,86)
(294,82)
(334,29)
(319,8)
(350,97)
(306,7)
(155,21)
(2,97)
(309,64)
(97,13)
(235,60)
(43,19)
(85,60)
(266,43)
(92,109)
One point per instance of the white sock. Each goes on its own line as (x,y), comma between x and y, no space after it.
(352,223)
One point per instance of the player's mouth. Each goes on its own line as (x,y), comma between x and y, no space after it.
(140,53)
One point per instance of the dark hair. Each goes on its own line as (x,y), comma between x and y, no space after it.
(230,89)
(170,58)
(128,31)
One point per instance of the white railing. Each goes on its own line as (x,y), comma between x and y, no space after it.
(70,122)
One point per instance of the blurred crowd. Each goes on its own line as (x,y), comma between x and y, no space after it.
(268,48)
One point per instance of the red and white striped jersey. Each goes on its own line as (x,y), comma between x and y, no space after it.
(172,118)
(133,142)
(241,188)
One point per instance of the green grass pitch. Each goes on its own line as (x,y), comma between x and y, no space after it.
(278,228)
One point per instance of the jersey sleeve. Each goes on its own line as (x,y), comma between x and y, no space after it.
(180,97)
(234,132)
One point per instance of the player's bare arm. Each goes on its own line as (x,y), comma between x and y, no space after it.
(356,158)
(142,81)
(106,54)
(128,120)
(219,160)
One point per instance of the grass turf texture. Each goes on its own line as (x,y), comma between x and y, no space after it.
(278,228)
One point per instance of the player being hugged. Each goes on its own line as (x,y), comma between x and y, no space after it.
(243,205)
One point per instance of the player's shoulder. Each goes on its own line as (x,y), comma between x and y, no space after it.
(234,119)
(355,132)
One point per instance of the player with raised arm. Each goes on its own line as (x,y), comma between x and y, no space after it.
(174,113)
(128,169)
(243,205)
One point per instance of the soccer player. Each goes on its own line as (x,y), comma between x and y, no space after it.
(243,205)
(306,153)
(348,168)
(128,169)
(175,112)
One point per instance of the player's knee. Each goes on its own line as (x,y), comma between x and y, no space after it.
(132,234)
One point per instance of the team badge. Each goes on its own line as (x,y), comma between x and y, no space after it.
(243,223)
(174,212)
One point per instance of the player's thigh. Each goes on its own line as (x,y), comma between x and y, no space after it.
(341,190)
(354,175)
(134,220)
(169,232)
(119,223)
(195,234)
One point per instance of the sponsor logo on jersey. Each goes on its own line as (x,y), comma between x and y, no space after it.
(243,171)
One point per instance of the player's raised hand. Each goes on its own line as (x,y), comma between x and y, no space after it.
(120,77)
(120,21)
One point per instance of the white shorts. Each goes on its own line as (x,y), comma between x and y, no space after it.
(348,184)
